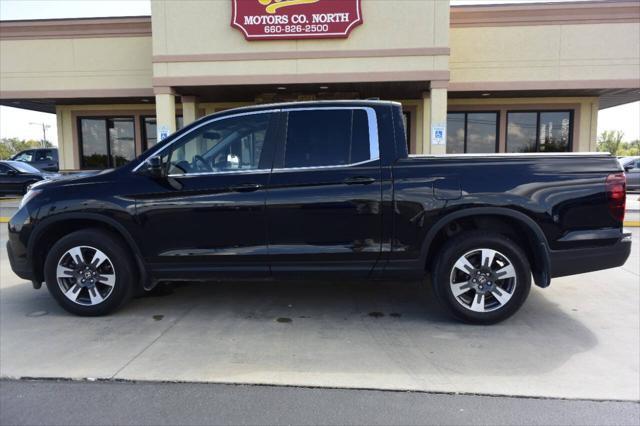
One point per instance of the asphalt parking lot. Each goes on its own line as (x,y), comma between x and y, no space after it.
(580,338)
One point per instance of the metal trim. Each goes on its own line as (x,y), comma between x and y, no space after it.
(374,143)
(204,123)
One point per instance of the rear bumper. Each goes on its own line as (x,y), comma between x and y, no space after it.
(579,261)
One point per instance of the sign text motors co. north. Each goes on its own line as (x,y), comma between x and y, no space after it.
(295,19)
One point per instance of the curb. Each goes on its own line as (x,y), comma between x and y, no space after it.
(4,219)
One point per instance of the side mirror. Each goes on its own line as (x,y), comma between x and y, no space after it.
(155,168)
(628,167)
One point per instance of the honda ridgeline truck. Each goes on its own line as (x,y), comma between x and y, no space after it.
(323,190)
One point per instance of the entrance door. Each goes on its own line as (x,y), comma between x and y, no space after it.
(323,203)
(208,219)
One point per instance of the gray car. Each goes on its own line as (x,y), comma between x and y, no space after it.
(631,167)
(45,159)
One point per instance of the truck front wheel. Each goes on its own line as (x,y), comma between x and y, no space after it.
(481,277)
(89,272)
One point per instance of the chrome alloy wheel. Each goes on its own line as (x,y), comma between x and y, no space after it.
(483,280)
(85,275)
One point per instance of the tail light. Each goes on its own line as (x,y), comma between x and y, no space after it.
(616,195)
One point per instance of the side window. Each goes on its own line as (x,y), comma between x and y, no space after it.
(44,155)
(225,145)
(326,138)
(3,169)
(26,156)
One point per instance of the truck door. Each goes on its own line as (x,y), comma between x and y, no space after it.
(208,218)
(324,212)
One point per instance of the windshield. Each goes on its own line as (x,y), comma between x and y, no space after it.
(23,167)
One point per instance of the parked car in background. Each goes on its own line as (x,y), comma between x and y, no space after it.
(321,190)
(631,166)
(16,176)
(41,158)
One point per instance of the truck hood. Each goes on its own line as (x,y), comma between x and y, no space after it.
(51,178)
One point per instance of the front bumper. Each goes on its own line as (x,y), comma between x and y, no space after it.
(20,265)
(580,261)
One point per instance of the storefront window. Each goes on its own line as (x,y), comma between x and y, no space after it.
(473,132)
(106,142)
(455,133)
(406,121)
(554,131)
(539,131)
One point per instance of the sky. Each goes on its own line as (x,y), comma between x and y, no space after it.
(28,124)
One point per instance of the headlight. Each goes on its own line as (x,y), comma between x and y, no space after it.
(29,196)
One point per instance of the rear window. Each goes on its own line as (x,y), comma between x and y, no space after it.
(326,138)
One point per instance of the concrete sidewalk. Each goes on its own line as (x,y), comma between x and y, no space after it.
(579,338)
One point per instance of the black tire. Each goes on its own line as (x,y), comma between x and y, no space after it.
(118,254)
(465,243)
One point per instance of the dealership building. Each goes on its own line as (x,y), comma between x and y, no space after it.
(471,79)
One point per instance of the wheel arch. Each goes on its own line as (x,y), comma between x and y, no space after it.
(537,247)
(51,229)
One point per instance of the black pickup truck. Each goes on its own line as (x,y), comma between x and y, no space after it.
(322,190)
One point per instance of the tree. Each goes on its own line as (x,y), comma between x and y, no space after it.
(610,141)
(11,146)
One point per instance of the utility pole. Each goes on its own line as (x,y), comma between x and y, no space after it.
(45,126)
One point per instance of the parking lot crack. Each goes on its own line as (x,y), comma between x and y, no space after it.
(153,342)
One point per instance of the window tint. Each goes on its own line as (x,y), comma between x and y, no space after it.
(539,131)
(224,145)
(473,132)
(455,133)
(554,131)
(107,142)
(326,138)
(44,155)
(521,132)
(93,139)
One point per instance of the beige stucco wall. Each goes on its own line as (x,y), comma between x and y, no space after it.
(199,28)
(76,64)
(545,52)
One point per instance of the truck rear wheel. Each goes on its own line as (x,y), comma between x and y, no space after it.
(481,277)
(90,272)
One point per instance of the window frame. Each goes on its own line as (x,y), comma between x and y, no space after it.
(374,141)
(105,118)
(466,132)
(538,112)
(161,149)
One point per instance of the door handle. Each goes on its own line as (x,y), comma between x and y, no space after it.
(245,187)
(359,180)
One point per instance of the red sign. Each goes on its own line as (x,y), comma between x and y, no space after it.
(295,19)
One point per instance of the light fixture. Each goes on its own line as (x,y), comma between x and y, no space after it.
(324,87)
(486,94)
(145,100)
(282,88)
